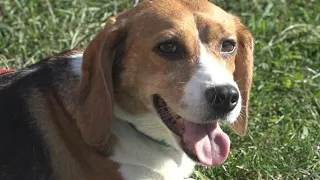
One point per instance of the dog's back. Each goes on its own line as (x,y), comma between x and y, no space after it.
(23,152)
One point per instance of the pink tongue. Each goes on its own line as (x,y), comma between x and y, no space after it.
(209,142)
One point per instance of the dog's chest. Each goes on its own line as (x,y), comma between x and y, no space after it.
(143,158)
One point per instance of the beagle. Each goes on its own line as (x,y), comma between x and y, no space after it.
(143,101)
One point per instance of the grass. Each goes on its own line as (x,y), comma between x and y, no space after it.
(284,127)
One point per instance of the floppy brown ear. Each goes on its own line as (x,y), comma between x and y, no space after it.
(243,76)
(94,109)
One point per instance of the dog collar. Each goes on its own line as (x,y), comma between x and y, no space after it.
(161,142)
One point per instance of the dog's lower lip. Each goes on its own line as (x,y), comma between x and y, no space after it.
(174,123)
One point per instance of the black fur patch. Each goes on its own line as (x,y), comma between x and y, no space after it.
(23,153)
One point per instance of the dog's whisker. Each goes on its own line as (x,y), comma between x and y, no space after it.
(241,79)
(181,82)
(169,117)
(161,108)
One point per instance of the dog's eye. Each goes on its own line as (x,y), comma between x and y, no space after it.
(168,48)
(227,47)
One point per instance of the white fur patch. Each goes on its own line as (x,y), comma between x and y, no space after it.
(149,124)
(209,74)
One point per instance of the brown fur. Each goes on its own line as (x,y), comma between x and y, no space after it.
(77,128)
(243,75)
(72,157)
(96,89)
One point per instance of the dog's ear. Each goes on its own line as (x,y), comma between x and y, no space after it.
(243,75)
(94,109)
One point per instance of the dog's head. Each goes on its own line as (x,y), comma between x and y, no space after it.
(172,69)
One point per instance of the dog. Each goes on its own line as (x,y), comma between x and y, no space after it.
(143,101)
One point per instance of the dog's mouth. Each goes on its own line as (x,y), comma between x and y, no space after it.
(204,143)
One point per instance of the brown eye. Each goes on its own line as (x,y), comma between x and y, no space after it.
(168,48)
(227,47)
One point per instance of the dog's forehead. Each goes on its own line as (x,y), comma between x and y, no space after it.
(167,5)
(152,16)
(177,9)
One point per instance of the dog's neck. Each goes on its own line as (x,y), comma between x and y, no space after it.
(134,148)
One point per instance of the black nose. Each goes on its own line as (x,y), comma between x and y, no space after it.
(222,98)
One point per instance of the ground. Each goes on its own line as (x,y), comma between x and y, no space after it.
(283,141)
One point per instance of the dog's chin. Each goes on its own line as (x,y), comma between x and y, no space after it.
(204,143)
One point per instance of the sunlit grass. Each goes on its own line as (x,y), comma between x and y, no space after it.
(284,128)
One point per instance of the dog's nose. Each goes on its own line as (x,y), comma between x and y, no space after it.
(222,98)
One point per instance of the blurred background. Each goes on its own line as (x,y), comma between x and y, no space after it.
(283,141)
